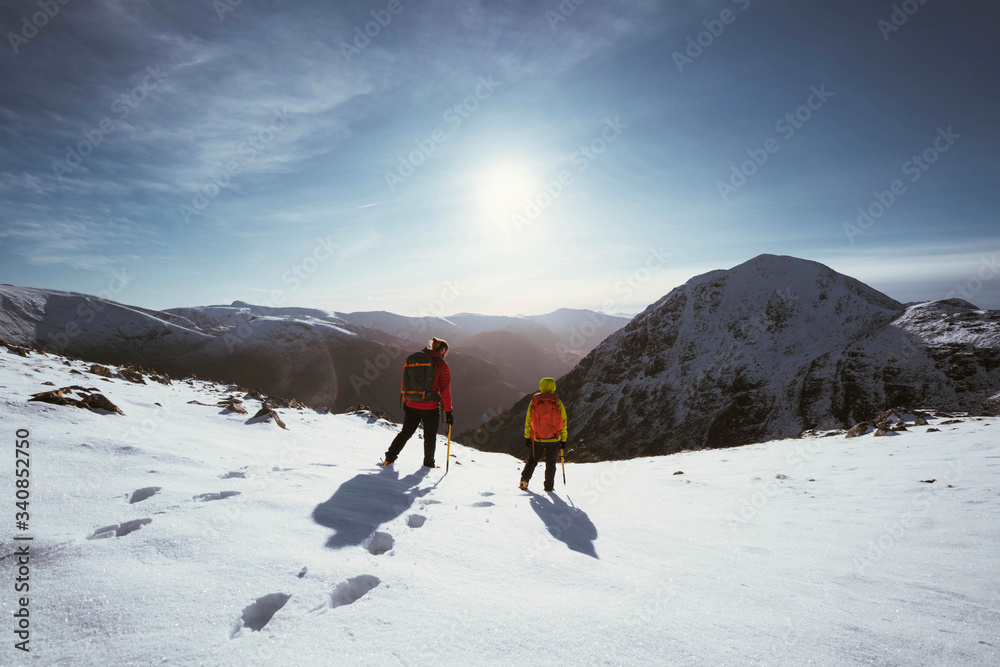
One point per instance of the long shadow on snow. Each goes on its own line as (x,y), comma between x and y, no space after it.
(568,524)
(365,502)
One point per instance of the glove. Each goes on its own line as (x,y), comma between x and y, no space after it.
(527,442)
(449,419)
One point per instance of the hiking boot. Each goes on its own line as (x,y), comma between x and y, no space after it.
(549,489)
(385,464)
(429,465)
(524,486)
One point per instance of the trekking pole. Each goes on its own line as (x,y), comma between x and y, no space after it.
(562,455)
(447,456)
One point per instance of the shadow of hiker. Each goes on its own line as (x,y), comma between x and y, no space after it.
(568,524)
(365,502)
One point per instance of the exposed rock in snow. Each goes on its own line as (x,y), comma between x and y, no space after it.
(94,402)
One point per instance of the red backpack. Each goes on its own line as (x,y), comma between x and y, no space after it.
(546,418)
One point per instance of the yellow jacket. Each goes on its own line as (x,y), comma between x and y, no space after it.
(546,386)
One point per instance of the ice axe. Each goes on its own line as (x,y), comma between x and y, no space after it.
(447,456)
(562,455)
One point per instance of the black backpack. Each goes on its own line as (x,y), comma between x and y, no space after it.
(418,378)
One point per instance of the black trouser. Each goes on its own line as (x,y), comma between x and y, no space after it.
(549,451)
(412,418)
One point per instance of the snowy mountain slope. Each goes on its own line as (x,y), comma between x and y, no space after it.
(87,326)
(814,551)
(768,349)
(308,354)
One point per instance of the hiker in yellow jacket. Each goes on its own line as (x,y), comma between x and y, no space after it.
(544,432)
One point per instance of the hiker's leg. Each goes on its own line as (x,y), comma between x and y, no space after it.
(529,466)
(431,419)
(411,419)
(551,451)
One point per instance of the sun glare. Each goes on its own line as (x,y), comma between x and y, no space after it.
(503,189)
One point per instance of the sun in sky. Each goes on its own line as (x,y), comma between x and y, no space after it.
(502,188)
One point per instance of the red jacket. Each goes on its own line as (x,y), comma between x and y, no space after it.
(442,385)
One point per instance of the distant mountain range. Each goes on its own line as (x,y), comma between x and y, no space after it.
(768,349)
(324,359)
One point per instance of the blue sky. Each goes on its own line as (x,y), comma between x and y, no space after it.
(494,157)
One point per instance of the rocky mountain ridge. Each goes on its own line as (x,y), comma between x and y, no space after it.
(323,359)
(766,350)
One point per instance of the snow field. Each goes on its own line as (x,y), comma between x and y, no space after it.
(849,558)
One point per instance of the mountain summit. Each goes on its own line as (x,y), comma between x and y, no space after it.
(767,349)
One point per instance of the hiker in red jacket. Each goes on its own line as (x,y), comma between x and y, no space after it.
(544,432)
(416,412)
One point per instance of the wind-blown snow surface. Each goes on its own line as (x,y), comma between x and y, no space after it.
(812,551)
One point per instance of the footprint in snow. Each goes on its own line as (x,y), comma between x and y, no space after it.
(484,503)
(119,529)
(415,520)
(352,590)
(429,502)
(141,494)
(205,497)
(379,543)
(487,494)
(233,475)
(258,614)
